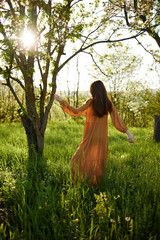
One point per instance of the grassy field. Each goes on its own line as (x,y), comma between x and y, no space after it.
(125,206)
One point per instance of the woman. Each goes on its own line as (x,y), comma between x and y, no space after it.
(89,161)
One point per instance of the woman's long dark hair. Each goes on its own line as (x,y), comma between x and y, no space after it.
(101,103)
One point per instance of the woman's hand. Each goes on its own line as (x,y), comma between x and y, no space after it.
(130,137)
(57,97)
(131,140)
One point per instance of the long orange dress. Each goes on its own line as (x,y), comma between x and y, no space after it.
(89,161)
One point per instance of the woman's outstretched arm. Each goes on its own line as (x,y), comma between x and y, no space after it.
(120,125)
(72,110)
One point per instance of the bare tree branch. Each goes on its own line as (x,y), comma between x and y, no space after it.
(114,31)
(21,62)
(18,81)
(81,49)
(126,15)
(14,94)
(45,75)
(146,49)
(48,59)
(76,3)
(154,35)
(91,33)
(8,83)
(53,51)
(11,7)
(44,79)
(150,27)
(40,69)
(135,4)
(96,64)
(48,107)
(42,30)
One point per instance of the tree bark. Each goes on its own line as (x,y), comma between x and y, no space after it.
(35,140)
(157,128)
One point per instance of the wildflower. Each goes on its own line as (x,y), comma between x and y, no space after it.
(64,220)
(122,156)
(39,207)
(127,219)
(114,197)
(112,220)
(73,213)
(46,203)
(76,220)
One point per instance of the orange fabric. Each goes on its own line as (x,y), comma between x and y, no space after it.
(89,161)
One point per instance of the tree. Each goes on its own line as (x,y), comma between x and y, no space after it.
(140,14)
(144,15)
(117,66)
(52,27)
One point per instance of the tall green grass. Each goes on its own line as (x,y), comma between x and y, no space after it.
(125,206)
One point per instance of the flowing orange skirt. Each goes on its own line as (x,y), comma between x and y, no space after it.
(89,161)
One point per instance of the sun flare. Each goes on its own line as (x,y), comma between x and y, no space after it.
(28,39)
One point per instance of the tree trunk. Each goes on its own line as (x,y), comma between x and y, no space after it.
(157,128)
(35,141)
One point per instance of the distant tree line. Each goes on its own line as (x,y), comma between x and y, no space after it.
(8,104)
(136,106)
